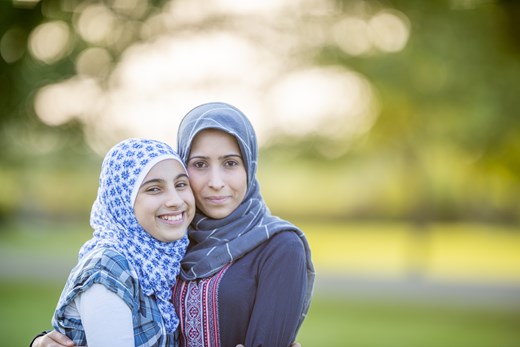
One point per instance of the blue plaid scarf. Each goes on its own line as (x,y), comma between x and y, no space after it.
(115,224)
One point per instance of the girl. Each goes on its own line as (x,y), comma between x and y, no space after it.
(119,293)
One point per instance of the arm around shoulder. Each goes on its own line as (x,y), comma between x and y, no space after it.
(51,339)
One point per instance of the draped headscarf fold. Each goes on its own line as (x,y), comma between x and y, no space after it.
(217,242)
(115,224)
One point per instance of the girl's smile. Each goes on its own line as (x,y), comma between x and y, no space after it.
(164,205)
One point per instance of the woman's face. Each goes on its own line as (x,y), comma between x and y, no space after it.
(164,205)
(218,175)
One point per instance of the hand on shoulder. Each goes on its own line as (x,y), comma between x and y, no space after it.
(53,339)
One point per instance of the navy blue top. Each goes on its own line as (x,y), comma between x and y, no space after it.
(258,298)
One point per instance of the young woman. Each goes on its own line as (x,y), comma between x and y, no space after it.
(119,294)
(247,276)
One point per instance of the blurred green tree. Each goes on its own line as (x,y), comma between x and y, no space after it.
(448,132)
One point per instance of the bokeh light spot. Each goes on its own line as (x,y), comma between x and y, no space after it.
(94,62)
(329,101)
(390,30)
(49,42)
(58,103)
(96,24)
(12,45)
(352,36)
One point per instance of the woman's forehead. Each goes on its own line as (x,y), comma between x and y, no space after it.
(208,138)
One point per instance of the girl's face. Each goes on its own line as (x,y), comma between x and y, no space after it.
(164,205)
(217,173)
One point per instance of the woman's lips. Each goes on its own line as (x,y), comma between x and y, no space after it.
(217,199)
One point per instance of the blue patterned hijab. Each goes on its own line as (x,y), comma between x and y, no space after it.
(251,223)
(115,224)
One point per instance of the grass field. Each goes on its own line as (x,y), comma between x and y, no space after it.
(27,307)
(374,323)
(443,252)
(34,264)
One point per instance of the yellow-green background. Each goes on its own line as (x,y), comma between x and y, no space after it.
(414,224)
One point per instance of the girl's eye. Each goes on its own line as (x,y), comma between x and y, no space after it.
(152,189)
(181,185)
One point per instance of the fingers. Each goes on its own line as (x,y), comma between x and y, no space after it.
(54,339)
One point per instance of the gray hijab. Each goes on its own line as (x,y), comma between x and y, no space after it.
(217,242)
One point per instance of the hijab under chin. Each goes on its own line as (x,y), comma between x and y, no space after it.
(217,242)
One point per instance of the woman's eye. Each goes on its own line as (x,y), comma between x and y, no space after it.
(231,163)
(199,164)
(152,189)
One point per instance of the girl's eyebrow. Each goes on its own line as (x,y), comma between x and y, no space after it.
(152,181)
(160,180)
(181,175)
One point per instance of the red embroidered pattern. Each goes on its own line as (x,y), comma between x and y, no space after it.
(196,303)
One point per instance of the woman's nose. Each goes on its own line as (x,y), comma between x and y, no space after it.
(215,179)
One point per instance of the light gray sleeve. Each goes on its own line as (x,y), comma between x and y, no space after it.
(106,318)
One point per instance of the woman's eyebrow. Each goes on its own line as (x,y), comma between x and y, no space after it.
(221,157)
(197,157)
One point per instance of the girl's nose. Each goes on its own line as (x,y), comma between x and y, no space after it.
(173,199)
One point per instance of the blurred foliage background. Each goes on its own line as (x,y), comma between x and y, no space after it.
(389,130)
